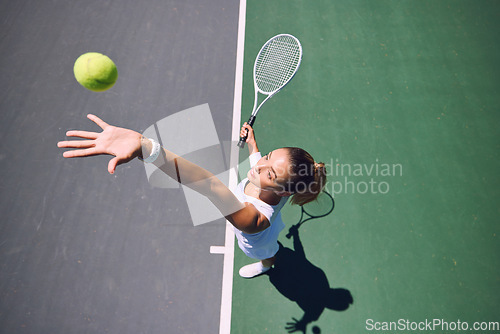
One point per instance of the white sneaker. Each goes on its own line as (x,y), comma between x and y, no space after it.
(253,270)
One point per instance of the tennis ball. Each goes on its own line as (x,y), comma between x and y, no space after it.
(95,71)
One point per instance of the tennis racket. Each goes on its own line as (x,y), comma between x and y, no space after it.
(318,208)
(277,62)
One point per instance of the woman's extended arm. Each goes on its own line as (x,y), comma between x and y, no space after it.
(125,145)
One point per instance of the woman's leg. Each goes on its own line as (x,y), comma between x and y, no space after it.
(268,263)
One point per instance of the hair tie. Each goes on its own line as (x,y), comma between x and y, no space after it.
(319,167)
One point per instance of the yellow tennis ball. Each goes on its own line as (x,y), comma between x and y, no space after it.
(95,71)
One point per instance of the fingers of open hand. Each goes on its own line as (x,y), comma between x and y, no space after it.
(98,121)
(84,148)
(82,134)
(76,144)
(80,153)
(112,165)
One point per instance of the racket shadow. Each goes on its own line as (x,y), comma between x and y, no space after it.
(321,207)
(299,280)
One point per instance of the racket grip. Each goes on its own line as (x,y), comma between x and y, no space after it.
(243,140)
(294,229)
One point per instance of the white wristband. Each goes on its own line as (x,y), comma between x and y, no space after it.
(155,152)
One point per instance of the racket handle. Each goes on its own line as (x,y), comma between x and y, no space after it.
(294,229)
(243,140)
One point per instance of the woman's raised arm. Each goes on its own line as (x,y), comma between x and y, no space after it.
(125,145)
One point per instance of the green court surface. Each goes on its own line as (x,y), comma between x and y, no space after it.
(400,99)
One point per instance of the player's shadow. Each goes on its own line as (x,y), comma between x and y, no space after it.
(296,278)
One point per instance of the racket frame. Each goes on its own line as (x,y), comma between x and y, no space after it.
(302,211)
(257,90)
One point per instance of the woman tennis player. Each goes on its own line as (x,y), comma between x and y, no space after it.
(253,208)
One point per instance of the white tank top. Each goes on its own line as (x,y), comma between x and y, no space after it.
(264,244)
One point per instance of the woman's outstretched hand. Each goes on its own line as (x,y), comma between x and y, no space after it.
(123,144)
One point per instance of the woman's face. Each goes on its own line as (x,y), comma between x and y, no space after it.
(271,171)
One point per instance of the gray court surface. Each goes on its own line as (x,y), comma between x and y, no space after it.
(83,251)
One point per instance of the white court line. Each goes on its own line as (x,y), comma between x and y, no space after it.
(217,250)
(228,251)
(228,248)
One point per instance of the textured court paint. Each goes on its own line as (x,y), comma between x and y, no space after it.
(410,83)
(82,251)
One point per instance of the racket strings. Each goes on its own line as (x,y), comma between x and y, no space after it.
(321,207)
(277,63)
